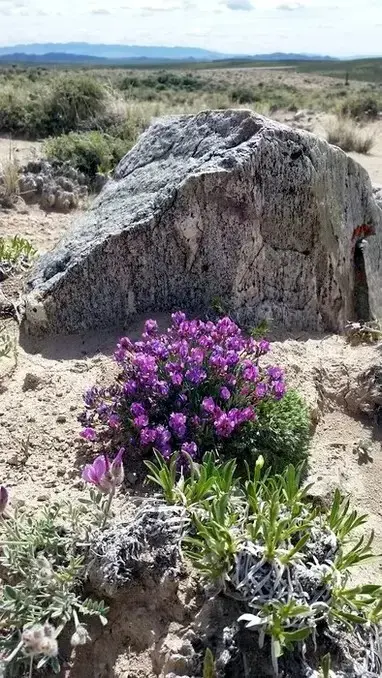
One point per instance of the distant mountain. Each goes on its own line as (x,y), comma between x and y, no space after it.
(80,52)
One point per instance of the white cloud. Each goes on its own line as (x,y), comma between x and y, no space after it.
(100,11)
(239,4)
(290,6)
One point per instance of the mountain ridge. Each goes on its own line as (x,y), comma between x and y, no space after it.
(105,52)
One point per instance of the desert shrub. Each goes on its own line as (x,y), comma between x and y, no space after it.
(244,95)
(74,98)
(346,134)
(163,80)
(363,105)
(280,433)
(90,152)
(192,389)
(287,565)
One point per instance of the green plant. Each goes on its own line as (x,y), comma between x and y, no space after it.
(362,105)
(73,99)
(281,433)
(90,152)
(15,254)
(287,563)
(209,668)
(43,566)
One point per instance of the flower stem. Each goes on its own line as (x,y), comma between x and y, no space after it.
(107,508)
(31,667)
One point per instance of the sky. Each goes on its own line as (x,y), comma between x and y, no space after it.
(338,28)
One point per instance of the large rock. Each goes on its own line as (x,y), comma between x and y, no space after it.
(223,204)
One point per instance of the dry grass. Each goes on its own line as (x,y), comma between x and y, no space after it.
(9,180)
(345,133)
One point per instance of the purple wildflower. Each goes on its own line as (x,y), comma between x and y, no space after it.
(261,390)
(177,423)
(251,372)
(264,346)
(89,434)
(208,405)
(196,375)
(114,421)
(142,421)
(98,474)
(190,448)
(151,328)
(224,426)
(225,393)
(279,389)
(137,409)
(130,387)
(148,436)
(275,373)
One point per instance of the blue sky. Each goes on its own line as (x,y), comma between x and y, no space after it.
(341,27)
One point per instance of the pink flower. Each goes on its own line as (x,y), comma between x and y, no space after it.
(104,474)
(89,434)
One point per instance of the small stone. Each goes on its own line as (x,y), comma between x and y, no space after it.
(73,408)
(15,460)
(61,419)
(31,419)
(61,471)
(42,497)
(31,381)
(131,478)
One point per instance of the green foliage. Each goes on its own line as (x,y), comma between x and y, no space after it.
(269,547)
(281,433)
(16,254)
(209,669)
(90,152)
(363,105)
(74,98)
(42,560)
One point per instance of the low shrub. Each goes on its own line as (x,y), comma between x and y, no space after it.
(90,152)
(362,105)
(286,564)
(73,99)
(280,433)
(193,389)
(346,134)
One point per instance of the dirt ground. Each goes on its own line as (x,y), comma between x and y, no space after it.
(41,391)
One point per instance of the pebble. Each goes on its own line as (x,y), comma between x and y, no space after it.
(61,419)
(61,471)
(42,497)
(131,478)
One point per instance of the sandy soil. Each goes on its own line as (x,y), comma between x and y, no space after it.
(20,150)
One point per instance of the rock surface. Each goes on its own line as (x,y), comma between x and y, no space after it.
(224,204)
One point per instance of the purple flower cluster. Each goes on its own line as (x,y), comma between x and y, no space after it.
(189,389)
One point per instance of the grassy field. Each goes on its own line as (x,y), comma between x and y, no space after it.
(93,115)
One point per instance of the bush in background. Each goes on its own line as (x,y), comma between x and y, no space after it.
(362,105)
(90,152)
(346,134)
(73,99)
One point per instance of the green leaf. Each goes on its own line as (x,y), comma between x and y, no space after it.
(296,636)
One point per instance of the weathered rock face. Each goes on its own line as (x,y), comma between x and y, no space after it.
(223,204)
